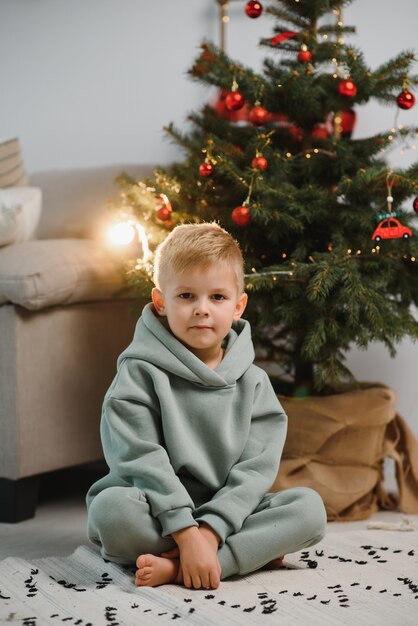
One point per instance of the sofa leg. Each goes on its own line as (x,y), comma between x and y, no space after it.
(18,498)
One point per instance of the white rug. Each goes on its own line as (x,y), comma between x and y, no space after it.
(367,577)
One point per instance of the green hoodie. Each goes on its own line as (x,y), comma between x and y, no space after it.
(202,444)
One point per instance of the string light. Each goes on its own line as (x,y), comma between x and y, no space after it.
(273,273)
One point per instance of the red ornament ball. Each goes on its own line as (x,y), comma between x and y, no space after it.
(241,216)
(206,169)
(259,163)
(405,100)
(253,9)
(222,112)
(234,100)
(258,115)
(347,88)
(347,122)
(320,131)
(304,56)
(163,214)
(415,204)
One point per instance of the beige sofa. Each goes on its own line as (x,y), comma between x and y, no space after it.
(61,330)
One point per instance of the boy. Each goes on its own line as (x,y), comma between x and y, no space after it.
(192,432)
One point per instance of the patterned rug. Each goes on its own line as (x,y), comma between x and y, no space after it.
(367,577)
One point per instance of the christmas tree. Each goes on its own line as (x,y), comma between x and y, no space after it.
(326,227)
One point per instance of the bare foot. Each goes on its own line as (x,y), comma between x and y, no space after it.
(274,564)
(155,570)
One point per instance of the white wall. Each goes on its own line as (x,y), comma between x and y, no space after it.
(86,83)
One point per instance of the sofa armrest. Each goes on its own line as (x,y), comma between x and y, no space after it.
(43,273)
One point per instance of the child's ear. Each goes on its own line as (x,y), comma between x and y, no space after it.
(240,306)
(158,301)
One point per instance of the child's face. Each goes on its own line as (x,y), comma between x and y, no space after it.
(200,306)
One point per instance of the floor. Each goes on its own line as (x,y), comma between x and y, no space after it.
(59,525)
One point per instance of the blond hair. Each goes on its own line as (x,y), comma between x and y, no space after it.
(191,245)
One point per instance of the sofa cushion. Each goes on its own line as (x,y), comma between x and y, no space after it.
(38,274)
(20,209)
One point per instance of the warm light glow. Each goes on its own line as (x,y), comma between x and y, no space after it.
(121,234)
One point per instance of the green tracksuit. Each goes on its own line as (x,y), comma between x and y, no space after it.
(187,444)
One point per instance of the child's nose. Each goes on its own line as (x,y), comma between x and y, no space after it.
(201,308)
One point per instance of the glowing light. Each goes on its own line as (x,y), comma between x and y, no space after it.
(288,154)
(121,234)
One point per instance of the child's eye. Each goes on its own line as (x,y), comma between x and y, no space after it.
(185,296)
(218,296)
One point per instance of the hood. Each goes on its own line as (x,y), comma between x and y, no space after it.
(154,343)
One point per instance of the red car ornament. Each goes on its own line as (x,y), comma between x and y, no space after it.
(391,228)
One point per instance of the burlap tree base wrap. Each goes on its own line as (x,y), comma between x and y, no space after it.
(337,444)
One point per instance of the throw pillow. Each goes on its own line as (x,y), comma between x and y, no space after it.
(12,172)
(20,210)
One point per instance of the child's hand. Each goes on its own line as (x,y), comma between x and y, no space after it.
(198,559)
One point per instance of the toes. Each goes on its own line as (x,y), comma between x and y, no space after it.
(143,572)
(143,560)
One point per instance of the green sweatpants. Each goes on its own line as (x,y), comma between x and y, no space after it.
(120,522)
